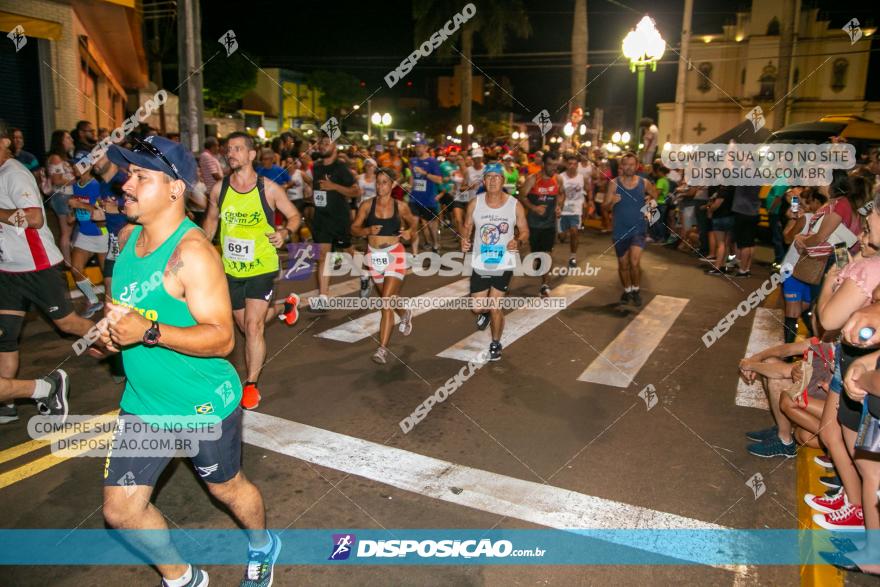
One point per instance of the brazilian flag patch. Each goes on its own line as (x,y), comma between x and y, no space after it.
(205,408)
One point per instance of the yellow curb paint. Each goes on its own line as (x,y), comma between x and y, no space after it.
(46,462)
(32,445)
(808,473)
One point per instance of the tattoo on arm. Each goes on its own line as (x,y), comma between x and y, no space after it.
(175,263)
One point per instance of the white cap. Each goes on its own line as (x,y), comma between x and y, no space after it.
(477,152)
(507,157)
(370,161)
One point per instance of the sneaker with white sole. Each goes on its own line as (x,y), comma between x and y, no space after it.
(824,461)
(55,404)
(849,518)
(8,414)
(405,327)
(380,356)
(261,565)
(199,579)
(824,504)
(482,321)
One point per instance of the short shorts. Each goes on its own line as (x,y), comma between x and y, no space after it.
(46,289)
(385,262)
(744,230)
(541,240)
(259,287)
(425,213)
(795,290)
(723,224)
(569,221)
(99,244)
(59,203)
(499,282)
(217,460)
(634,239)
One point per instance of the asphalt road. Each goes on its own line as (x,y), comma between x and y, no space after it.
(527,417)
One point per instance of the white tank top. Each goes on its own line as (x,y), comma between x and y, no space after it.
(295,191)
(493,230)
(474,176)
(368,187)
(574,194)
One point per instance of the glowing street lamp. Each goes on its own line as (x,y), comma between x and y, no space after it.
(643,47)
(624,138)
(615,138)
(568,129)
(381,120)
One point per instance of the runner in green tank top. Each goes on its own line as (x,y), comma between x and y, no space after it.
(244,206)
(170,316)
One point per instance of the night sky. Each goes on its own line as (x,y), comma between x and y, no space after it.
(368,39)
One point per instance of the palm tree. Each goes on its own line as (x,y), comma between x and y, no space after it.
(579,55)
(493,20)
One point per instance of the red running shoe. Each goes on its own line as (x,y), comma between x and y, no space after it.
(826,505)
(250,396)
(291,310)
(848,518)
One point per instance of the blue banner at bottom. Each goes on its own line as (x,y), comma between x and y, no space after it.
(430,547)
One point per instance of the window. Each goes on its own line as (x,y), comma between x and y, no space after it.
(768,82)
(838,74)
(773,27)
(742,78)
(704,76)
(797,76)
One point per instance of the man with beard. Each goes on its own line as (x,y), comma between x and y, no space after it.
(244,204)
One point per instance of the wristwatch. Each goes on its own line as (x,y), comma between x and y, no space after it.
(152,335)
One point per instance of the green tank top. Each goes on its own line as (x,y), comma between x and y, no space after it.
(160,381)
(510,180)
(245,219)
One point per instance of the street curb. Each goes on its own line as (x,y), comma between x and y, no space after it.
(808,482)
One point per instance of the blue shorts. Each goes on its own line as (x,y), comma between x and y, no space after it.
(569,221)
(623,244)
(795,290)
(836,385)
(723,224)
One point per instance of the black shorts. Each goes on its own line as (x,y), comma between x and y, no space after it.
(446,201)
(260,287)
(541,240)
(300,205)
(744,229)
(46,289)
(459,204)
(499,282)
(332,232)
(217,461)
(108,268)
(426,214)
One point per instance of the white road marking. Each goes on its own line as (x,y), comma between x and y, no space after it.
(516,324)
(367,325)
(621,361)
(537,503)
(766,332)
(337,289)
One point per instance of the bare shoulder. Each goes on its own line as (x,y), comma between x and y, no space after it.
(193,249)
(124,234)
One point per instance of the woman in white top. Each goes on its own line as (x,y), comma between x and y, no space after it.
(61,177)
(366,181)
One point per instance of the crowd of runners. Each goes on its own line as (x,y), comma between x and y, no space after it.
(189,251)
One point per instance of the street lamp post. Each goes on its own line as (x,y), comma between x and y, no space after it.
(643,47)
(381,120)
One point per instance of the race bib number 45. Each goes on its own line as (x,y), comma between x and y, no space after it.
(238,249)
(320,198)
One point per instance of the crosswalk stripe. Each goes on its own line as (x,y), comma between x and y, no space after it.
(337,289)
(766,332)
(360,328)
(622,360)
(516,324)
(533,502)
(24,448)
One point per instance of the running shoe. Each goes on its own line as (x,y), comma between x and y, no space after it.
(250,396)
(572,263)
(708,260)
(365,287)
(636,298)
(380,355)
(832,481)
(849,518)
(826,505)
(8,414)
(761,435)
(824,461)
(435,250)
(839,560)
(93,309)
(291,310)
(495,351)
(483,321)
(626,297)
(773,447)
(261,565)
(405,326)
(199,578)
(743,274)
(545,291)
(55,404)
(717,271)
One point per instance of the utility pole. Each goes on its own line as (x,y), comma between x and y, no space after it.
(680,87)
(579,56)
(189,54)
(786,41)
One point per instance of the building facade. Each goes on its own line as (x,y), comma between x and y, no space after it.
(736,70)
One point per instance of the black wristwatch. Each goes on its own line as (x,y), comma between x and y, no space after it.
(152,335)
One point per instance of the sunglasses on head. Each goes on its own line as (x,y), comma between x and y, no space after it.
(145,147)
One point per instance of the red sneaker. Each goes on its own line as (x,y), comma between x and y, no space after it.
(848,518)
(250,396)
(826,505)
(291,310)
(824,461)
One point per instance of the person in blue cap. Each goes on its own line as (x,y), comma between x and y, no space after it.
(423,196)
(170,315)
